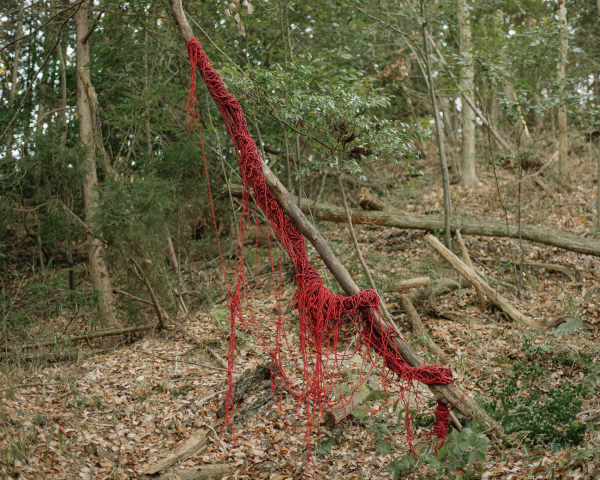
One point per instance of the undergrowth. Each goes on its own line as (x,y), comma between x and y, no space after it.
(540,398)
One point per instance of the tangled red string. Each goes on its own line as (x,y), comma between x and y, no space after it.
(326,320)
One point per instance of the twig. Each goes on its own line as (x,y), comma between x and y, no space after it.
(420,331)
(33,32)
(133,297)
(185,361)
(359,254)
(69,324)
(27,385)
(205,399)
(160,313)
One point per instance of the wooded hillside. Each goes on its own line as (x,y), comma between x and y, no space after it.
(443,153)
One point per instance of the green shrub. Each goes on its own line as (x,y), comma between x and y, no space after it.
(462,450)
(524,404)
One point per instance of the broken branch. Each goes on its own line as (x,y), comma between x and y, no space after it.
(474,279)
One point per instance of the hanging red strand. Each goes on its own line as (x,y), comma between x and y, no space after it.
(325,318)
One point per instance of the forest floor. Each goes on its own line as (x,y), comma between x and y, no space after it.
(117,413)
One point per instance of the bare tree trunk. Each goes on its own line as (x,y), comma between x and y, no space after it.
(439,133)
(597,93)
(98,266)
(563,147)
(497,22)
(63,139)
(63,90)
(14,75)
(467,76)
(146,88)
(598,183)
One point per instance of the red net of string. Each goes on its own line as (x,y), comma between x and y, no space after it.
(324,318)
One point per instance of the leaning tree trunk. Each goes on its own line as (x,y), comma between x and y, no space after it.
(431,223)
(563,148)
(63,141)
(98,266)
(467,77)
(439,133)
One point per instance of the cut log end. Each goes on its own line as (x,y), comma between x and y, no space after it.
(409,284)
(367,201)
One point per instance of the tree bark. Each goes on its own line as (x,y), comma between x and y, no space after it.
(470,275)
(597,84)
(563,147)
(469,263)
(368,201)
(420,331)
(14,75)
(439,133)
(467,77)
(98,266)
(96,139)
(62,117)
(546,236)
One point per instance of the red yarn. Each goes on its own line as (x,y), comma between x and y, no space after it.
(324,317)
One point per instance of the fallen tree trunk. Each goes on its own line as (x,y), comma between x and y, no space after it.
(442,287)
(202,472)
(469,263)
(493,296)
(409,284)
(77,338)
(546,236)
(195,443)
(450,393)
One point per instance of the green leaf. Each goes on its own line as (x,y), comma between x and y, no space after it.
(401,466)
(569,327)
(325,447)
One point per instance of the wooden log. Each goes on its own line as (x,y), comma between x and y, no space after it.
(420,331)
(55,357)
(442,287)
(469,263)
(190,447)
(450,393)
(89,336)
(566,271)
(203,472)
(543,235)
(409,284)
(367,201)
(473,278)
